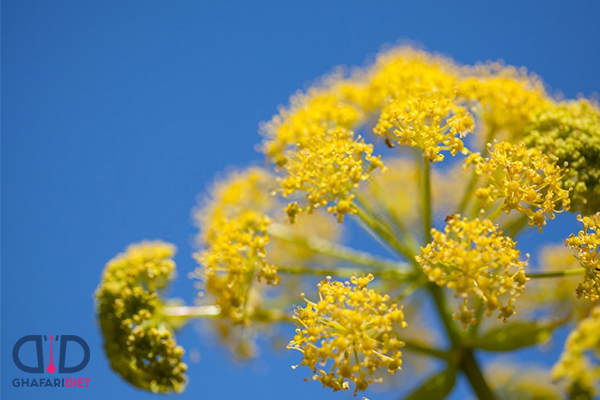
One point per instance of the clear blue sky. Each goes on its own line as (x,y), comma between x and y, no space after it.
(116,115)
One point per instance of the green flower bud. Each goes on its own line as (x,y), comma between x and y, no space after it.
(570,133)
(137,340)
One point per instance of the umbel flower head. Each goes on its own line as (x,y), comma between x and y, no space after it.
(348,334)
(578,364)
(587,245)
(527,181)
(419,103)
(313,143)
(138,341)
(570,133)
(233,237)
(394,75)
(477,262)
(429,117)
(504,96)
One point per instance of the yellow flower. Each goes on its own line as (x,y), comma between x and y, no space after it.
(578,364)
(525,178)
(348,334)
(476,261)
(393,74)
(314,145)
(423,101)
(507,97)
(426,116)
(523,381)
(137,337)
(415,93)
(233,238)
(587,244)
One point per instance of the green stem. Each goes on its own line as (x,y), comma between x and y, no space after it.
(514,226)
(426,199)
(407,235)
(436,292)
(345,272)
(468,194)
(382,231)
(493,216)
(468,363)
(557,274)
(472,185)
(473,373)
(480,309)
(440,303)
(423,349)
(334,250)
(192,312)
(213,312)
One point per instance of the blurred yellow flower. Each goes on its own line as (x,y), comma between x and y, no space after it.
(505,96)
(578,364)
(233,238)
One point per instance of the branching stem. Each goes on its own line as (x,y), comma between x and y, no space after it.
(557,274)
(334,250)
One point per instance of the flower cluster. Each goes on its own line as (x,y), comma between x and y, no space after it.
(570,133)
(506,96)
(233,236)
(138,342)
(539,156)
(348,334)
(575,365)
(313,142)
(476,261)
(416,94)
(428,117)
(587,244)
(525,178)
(393,75)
